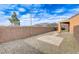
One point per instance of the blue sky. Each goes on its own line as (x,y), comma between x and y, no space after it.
(38,13)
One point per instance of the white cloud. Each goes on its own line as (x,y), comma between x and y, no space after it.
(4,6)
(25,22)
(27,5)
(5,23)
(25,17)
(45,18)
(44,21)
(17,12)
(75,10)
(4,20)
(7,6)
(2,13)
(21,9)
(48,18)
(35,10)
(60,17)
(59,10)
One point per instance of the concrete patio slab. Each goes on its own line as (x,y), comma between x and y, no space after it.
(51,39)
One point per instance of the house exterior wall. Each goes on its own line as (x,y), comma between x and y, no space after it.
(76,32)
(74,22)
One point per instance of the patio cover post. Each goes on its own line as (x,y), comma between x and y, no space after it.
(59,27)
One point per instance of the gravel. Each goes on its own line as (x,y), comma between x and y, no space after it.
(17,47)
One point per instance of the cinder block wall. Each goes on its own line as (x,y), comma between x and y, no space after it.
(12,33)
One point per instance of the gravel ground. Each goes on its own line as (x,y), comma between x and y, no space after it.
(34,46)
(23,46)
(17,47)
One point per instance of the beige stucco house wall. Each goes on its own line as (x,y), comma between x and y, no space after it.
(73,21)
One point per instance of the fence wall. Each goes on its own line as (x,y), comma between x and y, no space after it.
(12,33)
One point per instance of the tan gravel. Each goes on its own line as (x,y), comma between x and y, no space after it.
(34,46)
(17,47)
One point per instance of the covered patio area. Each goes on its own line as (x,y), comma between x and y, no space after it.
(64,26)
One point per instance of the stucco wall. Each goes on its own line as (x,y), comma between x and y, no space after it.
(76,32)
(12,33)
(73,22)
